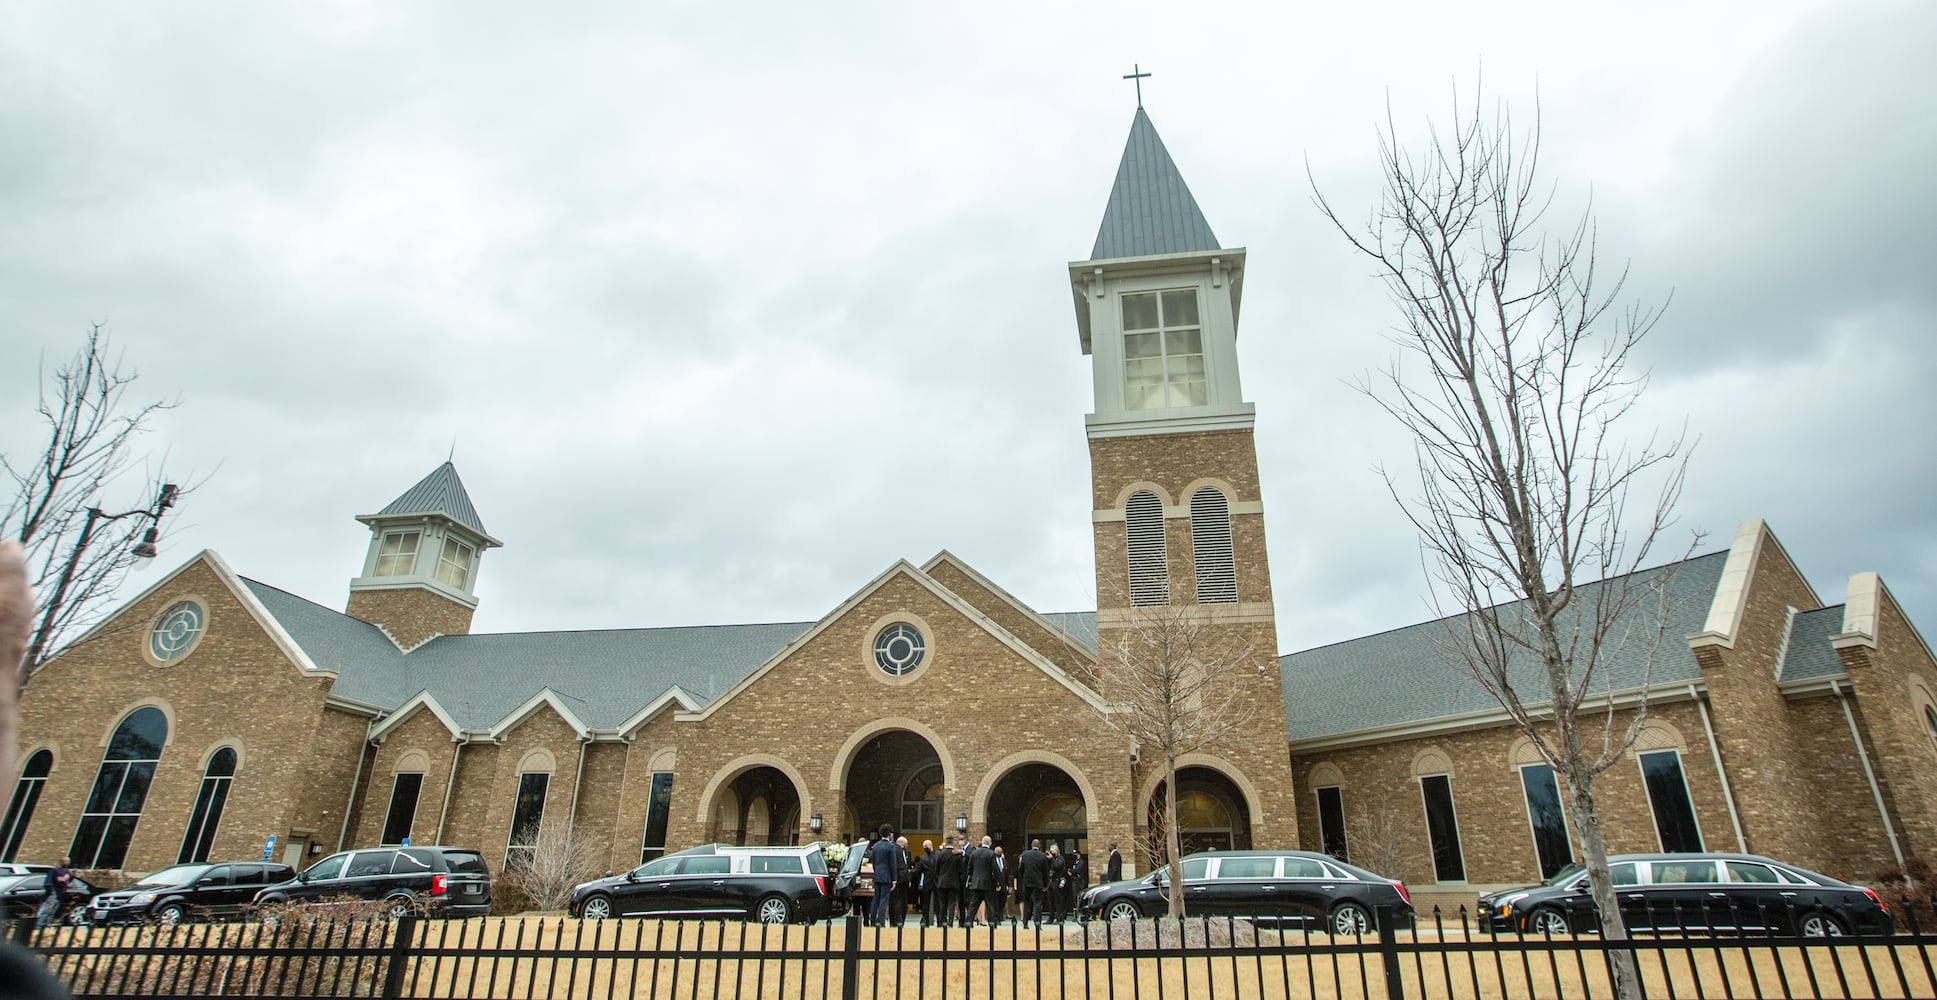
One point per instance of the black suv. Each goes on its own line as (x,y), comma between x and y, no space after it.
(189,892)
(1294,885)
(446,881)
(774,885)
(1681,892)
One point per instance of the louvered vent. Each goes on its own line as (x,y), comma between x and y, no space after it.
(1210,539)
(1143,519)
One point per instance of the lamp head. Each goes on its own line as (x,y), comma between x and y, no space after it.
(146,549)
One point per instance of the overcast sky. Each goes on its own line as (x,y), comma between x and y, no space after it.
(726,307)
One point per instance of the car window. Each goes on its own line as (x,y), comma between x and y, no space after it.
(1306,868)
(1683,872)
(1795,877)
(1621,874)
(714,865)
(816,863)
(248,874)
(414,861)
(330,867)
(366,863)
(174,875)
(658,867)
(465,863)
(1743,871)
(1247,867)
(771,864)
(1194,867)
(218,875)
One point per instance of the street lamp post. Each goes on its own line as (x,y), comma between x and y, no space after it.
(145,549)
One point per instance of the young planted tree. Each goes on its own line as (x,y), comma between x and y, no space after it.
(1180,685)
(560,856)
(78,552)
(1525,354)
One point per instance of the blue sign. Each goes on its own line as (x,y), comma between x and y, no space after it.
(406,842)
(269,847)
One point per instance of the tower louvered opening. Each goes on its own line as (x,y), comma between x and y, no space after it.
(1143,519)
(1210,539)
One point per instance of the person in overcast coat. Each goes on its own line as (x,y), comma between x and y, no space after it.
(948,883)
(981,883)
(1113,869)
(1032,876)
(887,871)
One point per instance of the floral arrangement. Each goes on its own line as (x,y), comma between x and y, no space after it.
(834,854)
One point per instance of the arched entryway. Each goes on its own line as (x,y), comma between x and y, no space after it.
(1038,801)
(897,778)
(755,800)
(1212,814)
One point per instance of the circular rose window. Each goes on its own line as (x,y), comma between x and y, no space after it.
(898,649)
(175,631)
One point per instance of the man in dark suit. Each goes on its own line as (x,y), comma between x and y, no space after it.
(981,883)
(1032,876)
(887,871)
(1113,869)
(948,883)
(925,880)
(905,888)
(1058,884)
(1079,879)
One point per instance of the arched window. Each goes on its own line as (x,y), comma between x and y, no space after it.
(208,807)
(1930,725)
(1143,520)
(1210,541)
(20,808)
(921,801)
(114,806)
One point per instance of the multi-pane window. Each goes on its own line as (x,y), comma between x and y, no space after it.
(120,789)
(403,807)
(1163,350)
(1331,821)
(526,818)
(1210,542)
(1149,562)
(207,814)
(454,564)
(1442,828)
(1668,796)
(659,810)
(397,555)
(1548,816)
(20,808)
(921,800)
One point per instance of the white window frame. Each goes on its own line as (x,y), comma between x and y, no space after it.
(416,550)
(1425,813)
(1655,821)
(469,568)
(1566,828)
(511,837)
(1163,356)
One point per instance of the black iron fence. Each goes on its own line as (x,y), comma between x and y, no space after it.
(1441,957)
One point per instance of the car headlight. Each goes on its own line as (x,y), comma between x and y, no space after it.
(141,898)
(1505,903)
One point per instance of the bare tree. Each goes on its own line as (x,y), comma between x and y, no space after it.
(1378,838)
(77,552)
(1524,475)
(558,858)
(1180,684)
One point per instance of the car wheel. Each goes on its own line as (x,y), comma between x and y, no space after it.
(1817,925)
(1351,920)
(596,908)
(774,910)
(399,906)
(171,914)
(1546,922)
(1122,909)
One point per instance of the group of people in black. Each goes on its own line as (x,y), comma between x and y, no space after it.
(968,884)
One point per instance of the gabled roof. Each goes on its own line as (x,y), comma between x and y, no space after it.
(1151,210)
(441,492)
(1400,678)
(1808,654)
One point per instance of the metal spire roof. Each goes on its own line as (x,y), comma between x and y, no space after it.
(441,492)
(1151,210)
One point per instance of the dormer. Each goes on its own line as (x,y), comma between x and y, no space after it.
(419,575)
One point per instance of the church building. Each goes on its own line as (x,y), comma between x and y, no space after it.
(215,711)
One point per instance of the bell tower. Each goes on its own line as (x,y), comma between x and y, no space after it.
(419,576)
(1177,512)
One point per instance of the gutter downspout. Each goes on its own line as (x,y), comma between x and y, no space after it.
(362,753)
(1715,751)
(1876,792)
(578,780)
(449,784)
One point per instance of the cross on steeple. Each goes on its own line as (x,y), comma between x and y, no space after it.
(1136,73)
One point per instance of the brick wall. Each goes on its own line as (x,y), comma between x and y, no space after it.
(410,614)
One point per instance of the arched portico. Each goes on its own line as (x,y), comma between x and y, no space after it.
(1035,794)
(898,773)
(844,760)
(737,784)
(1217,807)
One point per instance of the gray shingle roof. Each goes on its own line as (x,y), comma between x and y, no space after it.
(605,676)
(441,492)
(1151,210)
(1080,626)
(1808,654)
(1400,677)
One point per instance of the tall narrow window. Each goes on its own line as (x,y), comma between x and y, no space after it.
(1210,542)
(526,819)
(1163,350)
(1331,821)
(397,556)
(1442,826)
(1143,522)
(20,808)
(208,807)
(120,789)
(403,807)
(659,809)
(454,564)
(921,800)
(1548,817)
(1668,796)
